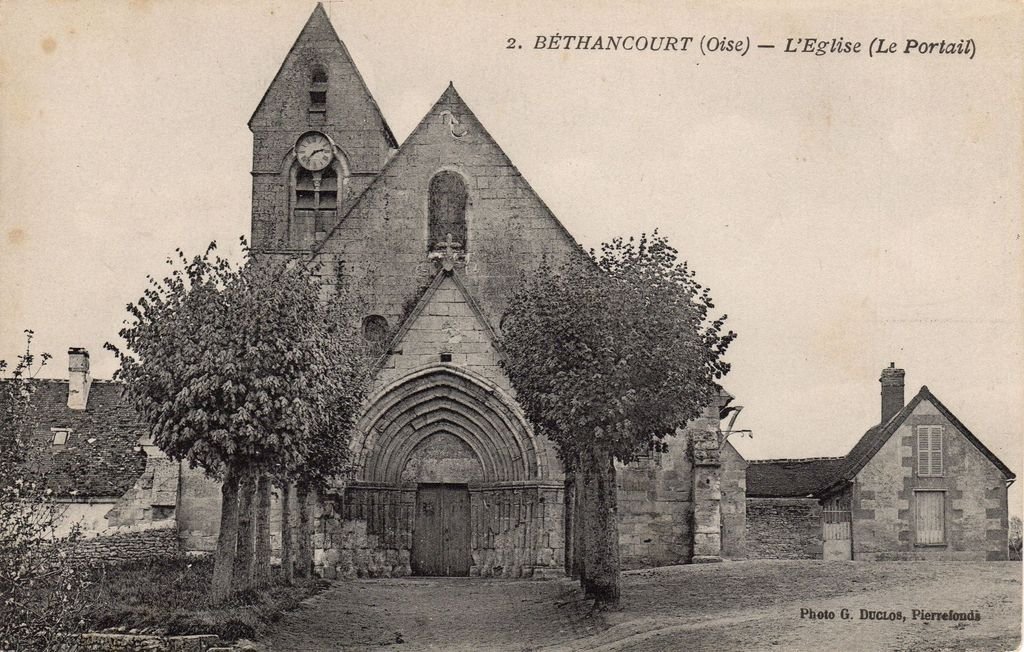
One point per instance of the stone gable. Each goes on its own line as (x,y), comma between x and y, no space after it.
(382,240)
(445,323)
(974,497)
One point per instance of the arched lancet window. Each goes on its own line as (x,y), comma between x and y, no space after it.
(317,89)
(375,330)
(447,209)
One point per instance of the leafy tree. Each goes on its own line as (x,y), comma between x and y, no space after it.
(226,365)
(339,399)
(608,354)
(15,402)
(40,584)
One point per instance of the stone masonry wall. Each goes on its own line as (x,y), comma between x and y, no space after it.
(446,324)
(365,532)
(655,502)
(134,545)
(734,503)
(198,511)
(516,531)
(783,528)
(884,498)
(154,495)
(383,239)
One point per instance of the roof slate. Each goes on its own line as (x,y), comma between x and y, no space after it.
(796,478)
(100,459)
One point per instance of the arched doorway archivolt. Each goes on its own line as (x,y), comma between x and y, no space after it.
(446,400)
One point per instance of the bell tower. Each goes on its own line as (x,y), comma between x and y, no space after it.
(319,139)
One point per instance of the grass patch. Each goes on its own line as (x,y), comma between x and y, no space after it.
(170,596)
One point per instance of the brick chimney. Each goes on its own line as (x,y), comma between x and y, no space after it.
(892,391)
(78,378)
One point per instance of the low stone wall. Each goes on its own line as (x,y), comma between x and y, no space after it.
(105,642)
(131,545)
(783,528)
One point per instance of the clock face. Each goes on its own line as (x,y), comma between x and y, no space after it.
(314,151)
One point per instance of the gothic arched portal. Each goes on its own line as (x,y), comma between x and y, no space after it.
(445,400)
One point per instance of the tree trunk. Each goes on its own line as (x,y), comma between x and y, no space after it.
(304,556)
(287,563)
(579,517)
(220,589)
(600,527)
(568,524)
(242,578)
(261,573)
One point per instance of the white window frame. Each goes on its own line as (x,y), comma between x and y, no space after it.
(60,436)
(930,462)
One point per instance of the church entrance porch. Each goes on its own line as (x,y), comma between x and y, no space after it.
(441,538)
(449,481)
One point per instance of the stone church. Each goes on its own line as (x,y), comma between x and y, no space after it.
(432,233)
(450,477)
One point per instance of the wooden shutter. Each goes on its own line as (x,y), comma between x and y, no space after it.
(929,450)
(930,513)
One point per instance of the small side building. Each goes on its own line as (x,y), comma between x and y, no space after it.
(86,445)
(919,485)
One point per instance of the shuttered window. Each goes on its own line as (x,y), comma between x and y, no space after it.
(929,450)
(930,513)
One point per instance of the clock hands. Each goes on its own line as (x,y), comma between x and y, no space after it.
(314,151)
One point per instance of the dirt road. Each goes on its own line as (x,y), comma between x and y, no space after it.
(753,605)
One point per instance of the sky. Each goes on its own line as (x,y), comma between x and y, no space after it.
(846,211)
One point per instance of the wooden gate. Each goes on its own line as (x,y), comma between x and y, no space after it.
(441,537)
(835,529)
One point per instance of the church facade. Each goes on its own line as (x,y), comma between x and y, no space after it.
(450,478)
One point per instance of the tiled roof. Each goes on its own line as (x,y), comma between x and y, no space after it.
(797,478)
(100,459)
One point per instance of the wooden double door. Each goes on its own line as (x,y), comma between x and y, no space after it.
(441,534)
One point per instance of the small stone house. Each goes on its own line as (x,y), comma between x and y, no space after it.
(86,445)
(918,485)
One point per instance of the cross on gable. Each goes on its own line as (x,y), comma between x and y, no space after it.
(448,247)
(448,252)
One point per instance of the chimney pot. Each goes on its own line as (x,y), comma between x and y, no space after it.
(892,391)
(79,379)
